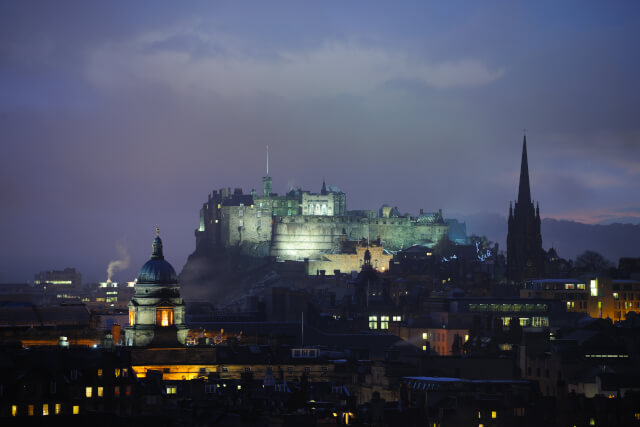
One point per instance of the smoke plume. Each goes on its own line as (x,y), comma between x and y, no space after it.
(118,264)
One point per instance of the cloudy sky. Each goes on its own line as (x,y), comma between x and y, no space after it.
(116,116)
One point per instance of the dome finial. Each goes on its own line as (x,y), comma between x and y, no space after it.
(156,252)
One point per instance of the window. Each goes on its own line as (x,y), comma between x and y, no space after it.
(76,409)
(100,391)
(132,317)
(172,389)
(247,370)
(397,318)
(494,414)
(424,348)
(225,369)
(116,391)
(99,372)
(373,322)
(128,391)
(125,373)
(164,316)
(425,336)
(88,391)
(384,322)
(116,372)
(30,410)
(593,285)
(14,410)
(45,409)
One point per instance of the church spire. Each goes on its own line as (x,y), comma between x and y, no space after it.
(524,191)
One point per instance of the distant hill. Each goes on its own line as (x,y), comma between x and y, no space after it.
(570,238)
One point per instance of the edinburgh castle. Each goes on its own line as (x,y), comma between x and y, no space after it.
(304,225)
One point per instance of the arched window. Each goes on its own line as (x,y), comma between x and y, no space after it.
(164,316)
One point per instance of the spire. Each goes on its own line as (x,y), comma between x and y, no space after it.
(524,191)
(510,209)
(267,160)
(324,187)
(156,252)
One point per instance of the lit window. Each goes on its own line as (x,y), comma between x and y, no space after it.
(14,410)
(164,316)
(99,372)
(494,414)
(76,409)
(30,410)
(616,295)
(373,322)
(466,338)
(88,391)
(424,348)
(58,408)
(131,317)
(424,336)
(100,391)
(172,389)
(239,387)
(479,414)
(116,372)
(384,322)
(593,284)
(397,318)
(45,409)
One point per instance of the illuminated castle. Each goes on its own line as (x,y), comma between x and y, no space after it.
(302,224)
(156,311)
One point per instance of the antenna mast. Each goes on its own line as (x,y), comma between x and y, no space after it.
(267,160)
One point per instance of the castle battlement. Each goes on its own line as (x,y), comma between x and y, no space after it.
(301,224)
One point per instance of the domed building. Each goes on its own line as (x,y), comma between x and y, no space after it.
(156,311)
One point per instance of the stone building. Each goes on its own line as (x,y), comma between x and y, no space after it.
(302,224)
(156,311)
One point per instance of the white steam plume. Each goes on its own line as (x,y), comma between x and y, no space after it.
(118,264)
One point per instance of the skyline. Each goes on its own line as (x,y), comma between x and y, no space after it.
(119,118)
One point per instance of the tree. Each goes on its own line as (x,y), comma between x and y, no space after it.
(592,262)
(444,248)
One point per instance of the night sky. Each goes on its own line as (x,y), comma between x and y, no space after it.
(117,116)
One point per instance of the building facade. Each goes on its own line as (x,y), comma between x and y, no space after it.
(156,311)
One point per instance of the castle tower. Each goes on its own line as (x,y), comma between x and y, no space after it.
(156,311)
(525,256)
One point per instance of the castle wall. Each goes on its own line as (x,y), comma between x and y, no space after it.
(310,237)
(246,224)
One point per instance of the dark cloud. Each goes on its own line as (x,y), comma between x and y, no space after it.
(119,116)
